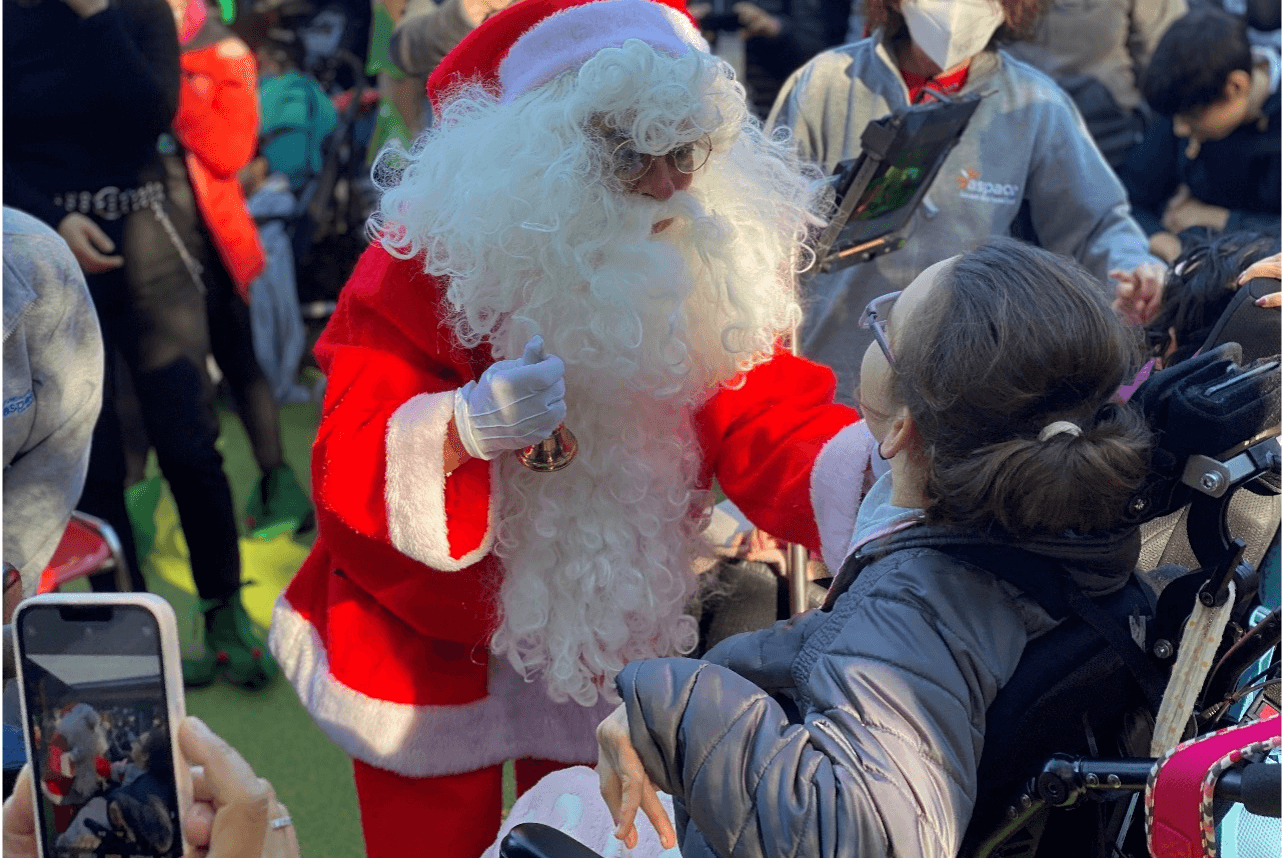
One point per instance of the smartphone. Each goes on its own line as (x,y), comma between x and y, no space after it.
(102,698)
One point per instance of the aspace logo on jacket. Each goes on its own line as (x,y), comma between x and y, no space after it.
(972,187)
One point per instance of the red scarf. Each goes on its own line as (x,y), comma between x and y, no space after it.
(947,84)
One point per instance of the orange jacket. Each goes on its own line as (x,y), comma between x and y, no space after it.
(218,124)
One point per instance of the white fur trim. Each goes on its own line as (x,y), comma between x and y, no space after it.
(415,484)
(565,40)
(517,719)
(841,477)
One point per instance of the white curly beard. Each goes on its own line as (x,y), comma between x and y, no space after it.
(599,556)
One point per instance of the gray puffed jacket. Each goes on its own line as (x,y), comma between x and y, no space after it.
(1025,159)
(890,687)
(53,387)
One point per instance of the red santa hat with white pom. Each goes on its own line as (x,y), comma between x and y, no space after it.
(532,42)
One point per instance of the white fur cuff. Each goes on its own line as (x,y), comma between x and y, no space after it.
(415,484)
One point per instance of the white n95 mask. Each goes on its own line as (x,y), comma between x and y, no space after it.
(952,31)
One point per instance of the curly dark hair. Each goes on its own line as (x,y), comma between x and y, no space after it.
(1199,287)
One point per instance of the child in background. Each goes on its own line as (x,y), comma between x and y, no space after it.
(275,321)
(1218,163)
(296,115)
(1199,287)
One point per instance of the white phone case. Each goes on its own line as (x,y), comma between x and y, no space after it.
(171,672)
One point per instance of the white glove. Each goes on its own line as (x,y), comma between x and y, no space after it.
(516,403)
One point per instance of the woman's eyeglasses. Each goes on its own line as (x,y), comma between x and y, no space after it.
(876,317)
(630,165)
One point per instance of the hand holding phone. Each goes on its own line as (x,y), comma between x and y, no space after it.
(19,821)
(102,697)
(102,709)
(236,813)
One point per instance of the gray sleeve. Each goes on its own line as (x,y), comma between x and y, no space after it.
(750,783)
(766,656)
(827,103)
(44,475)
(791,111)
(427,33)
(885,760)
(1078,206)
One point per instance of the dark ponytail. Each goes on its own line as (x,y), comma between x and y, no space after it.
(1013,339)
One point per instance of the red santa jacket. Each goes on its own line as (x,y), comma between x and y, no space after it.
(60,773)
(384,630)
(218,123)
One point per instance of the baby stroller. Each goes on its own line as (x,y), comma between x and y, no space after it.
(1068,767)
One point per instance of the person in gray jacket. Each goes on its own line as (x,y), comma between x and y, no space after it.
(857,728)
(53,389)
(1025,165)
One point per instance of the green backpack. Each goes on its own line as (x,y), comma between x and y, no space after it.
(296,117)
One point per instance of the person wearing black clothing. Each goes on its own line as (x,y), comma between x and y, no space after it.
(1216,165)
(89,86)
(780,36)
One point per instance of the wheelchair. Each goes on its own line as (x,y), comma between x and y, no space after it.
(1066,761)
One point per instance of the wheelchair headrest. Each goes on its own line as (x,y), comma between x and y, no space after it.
(1213,402)
(1209,405)
(1258,330)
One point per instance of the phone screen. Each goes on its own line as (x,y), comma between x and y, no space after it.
(99,731)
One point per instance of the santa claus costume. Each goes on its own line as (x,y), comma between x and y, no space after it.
(448,620)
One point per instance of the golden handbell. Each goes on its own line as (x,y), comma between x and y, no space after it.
(553,454)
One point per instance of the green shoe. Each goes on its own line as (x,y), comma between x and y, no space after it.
(232,651)
(201,671)
(141,500)
(277,504)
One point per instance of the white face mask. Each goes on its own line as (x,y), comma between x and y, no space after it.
(952,31)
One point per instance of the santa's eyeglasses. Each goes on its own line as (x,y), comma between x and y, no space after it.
(630,165)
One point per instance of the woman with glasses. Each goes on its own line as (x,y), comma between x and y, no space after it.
(989,393)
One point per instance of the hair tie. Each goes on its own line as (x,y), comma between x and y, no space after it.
(1058,427)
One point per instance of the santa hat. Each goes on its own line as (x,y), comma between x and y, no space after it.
(534,41)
